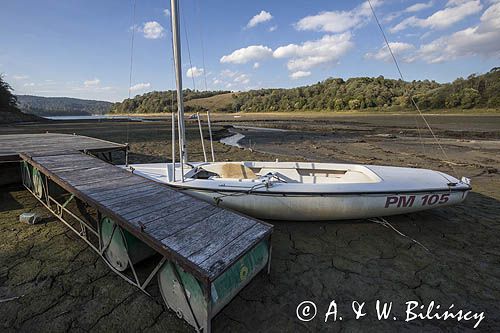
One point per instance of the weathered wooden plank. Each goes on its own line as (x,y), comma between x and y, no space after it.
(171,206)
(132,198)
(49,151)
(122,192)
(210,234)
(144,202)
(166,226)
(111,186)
(227,256)
(100,172)
(61,158)
(150,205)
(77,183)
(228,252)
(51,143)
(75,166)
(215,249)
(51,160)
(88,167)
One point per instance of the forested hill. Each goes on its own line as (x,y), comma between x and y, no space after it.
(481,91)
(161,101)
(476,91)
(61,106)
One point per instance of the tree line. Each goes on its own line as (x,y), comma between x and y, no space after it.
(477,91)
(9,111)
(336,94)
(160,101)
(61,106)
(8,101)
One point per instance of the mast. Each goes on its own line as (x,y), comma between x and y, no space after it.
(176,44)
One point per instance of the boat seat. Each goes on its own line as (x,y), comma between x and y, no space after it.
(231,170)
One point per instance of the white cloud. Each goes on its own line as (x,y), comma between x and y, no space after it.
(140,86)
(482,40)
(31,84)
(299,74)
(262,17)
(337,21)
(166,12)
(152,30)
(246,54)
(194,72)
(91,83)
(273,28)
(232,79)
(455,11)
(391,16)
(20,77)
(398,48)
(242,78)
(228,73)
(256,65)
(419,6)
(324,51)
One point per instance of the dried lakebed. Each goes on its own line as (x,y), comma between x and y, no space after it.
(51,281)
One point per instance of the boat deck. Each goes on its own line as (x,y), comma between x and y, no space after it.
(204,239)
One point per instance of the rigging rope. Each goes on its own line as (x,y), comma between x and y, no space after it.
(131,60)
(385,223)
(189,51)
(411,97)
(172,97)
(200,20)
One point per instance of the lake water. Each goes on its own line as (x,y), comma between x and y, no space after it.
(94,117)
(234,140)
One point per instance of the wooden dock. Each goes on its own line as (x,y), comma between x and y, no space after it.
(13,144)
(218,249)
(204,237)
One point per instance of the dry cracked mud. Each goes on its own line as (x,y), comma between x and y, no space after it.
(50,280)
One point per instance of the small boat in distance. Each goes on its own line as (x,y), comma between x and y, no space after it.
(301,191)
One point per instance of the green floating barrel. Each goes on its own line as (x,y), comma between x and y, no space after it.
(27,172)
(223,289)
(122,246)
(35,181)
(38,182)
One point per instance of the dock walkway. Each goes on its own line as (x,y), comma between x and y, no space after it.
(204,254)
(13,144)
(204,237)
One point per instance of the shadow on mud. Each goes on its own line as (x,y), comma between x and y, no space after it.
(7,201)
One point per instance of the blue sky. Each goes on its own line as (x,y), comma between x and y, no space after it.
(81,48)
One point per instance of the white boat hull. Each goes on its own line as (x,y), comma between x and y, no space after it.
(330,207)
(304,191)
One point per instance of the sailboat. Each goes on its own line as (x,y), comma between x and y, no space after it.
(300,191)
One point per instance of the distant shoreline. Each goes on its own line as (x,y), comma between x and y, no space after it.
(455,112)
